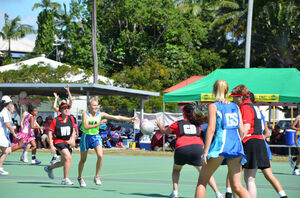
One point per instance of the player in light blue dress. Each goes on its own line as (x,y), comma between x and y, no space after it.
(227,141)
(223,142)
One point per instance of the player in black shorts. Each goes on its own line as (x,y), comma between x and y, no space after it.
(189,146)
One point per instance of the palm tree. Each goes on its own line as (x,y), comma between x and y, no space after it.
(14,30)
(230,16)
(277,33)
(47,4)
(195,7)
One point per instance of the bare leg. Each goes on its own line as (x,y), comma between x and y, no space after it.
(205,175)
(83,156)
(272,179)
(249,177)
(235,175)
(65,161)
(175,176)
(17,147)
(33,149)
(99,153)
(5,152)
(212,182)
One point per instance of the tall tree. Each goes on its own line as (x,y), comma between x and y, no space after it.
(14,30)
(276,35)
(46,27)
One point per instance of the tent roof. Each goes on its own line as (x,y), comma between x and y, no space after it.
(47,89)
(184,83)
(281,81)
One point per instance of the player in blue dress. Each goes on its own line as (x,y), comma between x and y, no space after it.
(223,142)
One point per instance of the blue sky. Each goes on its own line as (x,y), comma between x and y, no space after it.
(23,9)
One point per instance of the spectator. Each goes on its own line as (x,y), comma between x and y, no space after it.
(45,137)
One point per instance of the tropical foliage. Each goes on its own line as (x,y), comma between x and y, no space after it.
(154,44)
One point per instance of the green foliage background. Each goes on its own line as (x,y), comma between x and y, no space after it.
(154,44)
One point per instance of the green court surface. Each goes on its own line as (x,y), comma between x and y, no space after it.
(124,176)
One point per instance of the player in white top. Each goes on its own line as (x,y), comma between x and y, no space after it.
(6,109)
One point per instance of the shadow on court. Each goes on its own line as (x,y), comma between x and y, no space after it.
(147,194)
(31,182)
(60,186)
(14,163)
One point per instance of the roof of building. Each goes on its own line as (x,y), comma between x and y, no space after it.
(47,89)
(24,45)
(184,83)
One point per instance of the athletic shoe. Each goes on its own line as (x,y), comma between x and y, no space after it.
(292,162)
(97,181)
(66,181)
(52,162)
(81,182)
(173,195)
(296,172)
(23,159)
(35,161)
(50,172)
(219,195)
(3,172)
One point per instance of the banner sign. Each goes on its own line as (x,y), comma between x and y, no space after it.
(208,97)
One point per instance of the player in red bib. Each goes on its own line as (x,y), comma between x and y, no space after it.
(253,143)
(189,146)
(61,135)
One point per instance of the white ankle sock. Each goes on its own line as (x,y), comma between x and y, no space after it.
(281,193)
(228,190)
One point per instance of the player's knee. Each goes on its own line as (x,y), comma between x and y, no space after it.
(68,158)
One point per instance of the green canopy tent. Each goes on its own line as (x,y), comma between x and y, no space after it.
(276,86)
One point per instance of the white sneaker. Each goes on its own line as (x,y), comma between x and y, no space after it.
(97,181)
(173,195)
(23,159)
(35,161)
(3,172)
(81,182)
(296,172)
(66,181)
(52,162)
(50,172)
(292,162)
(219,195)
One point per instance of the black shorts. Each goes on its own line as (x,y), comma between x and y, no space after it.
(257,154)
(190,154)
(61,146)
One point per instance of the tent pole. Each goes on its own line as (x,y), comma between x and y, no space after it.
(292,115)
(273,117)
(87,98)
(164,106)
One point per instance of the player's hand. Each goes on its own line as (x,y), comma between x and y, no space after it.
(67,87)
(204,159)
(55,95)
(134,120)
(159,123)
(53,149)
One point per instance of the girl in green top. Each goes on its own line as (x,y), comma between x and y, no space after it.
(90,138)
